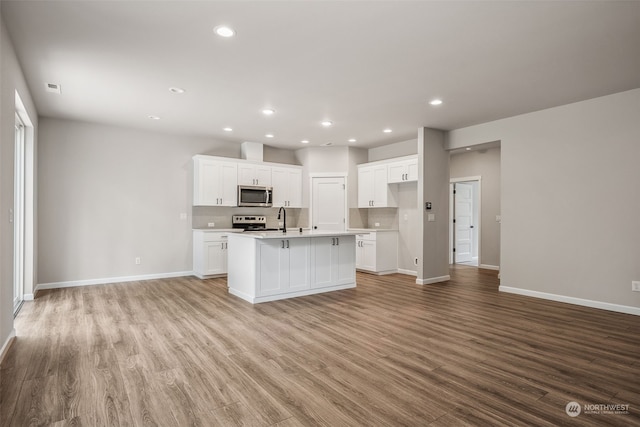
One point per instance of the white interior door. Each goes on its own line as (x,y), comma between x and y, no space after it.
(463,221)
(328,202)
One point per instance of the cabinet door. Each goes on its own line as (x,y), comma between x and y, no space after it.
(215,258)
(412,170)
(368,255)
(228,189)
(380,186)
(295,188)
(322,262)
(273,266)
(215,183)
(251,174)
(287,187)
(298,254)
(365,187)
(206,186)
(280,182)
(262,175)
(397,172)
(344,260)
(246,174)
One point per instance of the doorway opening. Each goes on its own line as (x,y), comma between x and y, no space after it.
(328,203)
(22,212)
(464,235)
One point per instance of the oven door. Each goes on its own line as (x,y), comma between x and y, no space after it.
(257,196)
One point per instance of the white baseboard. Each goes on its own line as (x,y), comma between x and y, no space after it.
(572,300)
(102,281)
(433,280)
(408,272)
(7,343)
(489,267)
(27,297)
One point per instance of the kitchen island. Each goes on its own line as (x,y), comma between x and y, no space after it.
(272,265)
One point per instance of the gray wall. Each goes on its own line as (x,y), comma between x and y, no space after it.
(570,202)
(433,167)
(108,195)
(486,164)
(11,79)
(398,149)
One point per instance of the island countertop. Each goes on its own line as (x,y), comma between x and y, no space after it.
(292,234)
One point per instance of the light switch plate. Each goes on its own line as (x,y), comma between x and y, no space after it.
(211,224)
(431,217)
(635,286)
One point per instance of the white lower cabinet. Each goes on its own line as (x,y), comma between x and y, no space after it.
(267,269)
(332,261)
(377,251)
(209,253)
(283,266)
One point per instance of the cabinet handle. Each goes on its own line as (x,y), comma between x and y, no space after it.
(333,241)
(282,241)
(287,244)
(337,241)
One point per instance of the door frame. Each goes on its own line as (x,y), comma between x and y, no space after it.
(452,213)
(343,175)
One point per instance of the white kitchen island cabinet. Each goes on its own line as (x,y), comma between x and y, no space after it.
(268,266)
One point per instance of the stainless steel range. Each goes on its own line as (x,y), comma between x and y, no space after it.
(251,223)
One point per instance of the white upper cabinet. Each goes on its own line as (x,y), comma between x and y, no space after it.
(287,186)
(254,174)
(405,170)
(373,187)
(215,182)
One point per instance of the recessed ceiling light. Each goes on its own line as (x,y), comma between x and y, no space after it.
(352,140)
(468,148)
(176,90)
(268,111)
(435,102)
(154,117)
(227,129)
(224,31)
(387,130)
(269,135)
(326,144)
(305,141)
(326,123)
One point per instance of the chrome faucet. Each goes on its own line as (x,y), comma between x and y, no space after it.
(284,218)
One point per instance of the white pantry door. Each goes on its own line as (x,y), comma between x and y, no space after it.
(328,203)
(464,221)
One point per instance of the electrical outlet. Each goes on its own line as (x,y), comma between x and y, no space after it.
(183,215)
(280,223)
(138,261)
(635,286)
(211,224)
(377,224)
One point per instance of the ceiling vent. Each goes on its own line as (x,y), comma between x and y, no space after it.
(53,88)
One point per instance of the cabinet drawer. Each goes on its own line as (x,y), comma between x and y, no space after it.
(214,236)
(366,236)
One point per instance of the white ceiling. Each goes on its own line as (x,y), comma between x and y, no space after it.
(365,65)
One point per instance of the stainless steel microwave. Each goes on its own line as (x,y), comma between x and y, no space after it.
(254,195)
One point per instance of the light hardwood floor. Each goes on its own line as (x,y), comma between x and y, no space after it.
(180,352)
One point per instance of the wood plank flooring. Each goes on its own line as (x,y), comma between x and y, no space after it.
(180,352)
